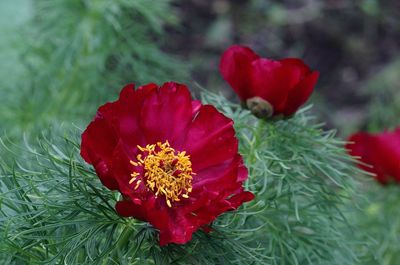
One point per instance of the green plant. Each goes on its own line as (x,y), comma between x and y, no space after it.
(75,52)
(54,209)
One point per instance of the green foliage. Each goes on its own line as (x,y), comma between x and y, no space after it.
(303,179)
(54,209)
(78,53)
(380,217)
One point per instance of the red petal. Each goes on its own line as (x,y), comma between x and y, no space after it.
(362,145)
(129,209)
(387,154)
(211,139)
(113,121)
(98,143)
(222,177)
(271,81)
(235,67)
(126,113)
(167,114)
(298,64)
(178,229)
(122,170)
(153,114)
(240,198)
(209,212)
(299,95)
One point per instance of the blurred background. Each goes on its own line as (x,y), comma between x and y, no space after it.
(61,59)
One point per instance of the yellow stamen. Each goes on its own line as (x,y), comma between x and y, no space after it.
(137,184)
(132,180)
(167,172)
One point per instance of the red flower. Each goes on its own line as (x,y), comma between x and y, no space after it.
(381,153)
(267,87)
(174,160)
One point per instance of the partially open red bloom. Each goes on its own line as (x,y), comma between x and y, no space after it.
(270,87)
(381,153)
(174,160)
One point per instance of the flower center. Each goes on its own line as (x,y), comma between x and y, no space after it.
(167,172)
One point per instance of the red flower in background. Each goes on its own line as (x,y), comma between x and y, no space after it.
(267,87)
(175,160)
(380,151)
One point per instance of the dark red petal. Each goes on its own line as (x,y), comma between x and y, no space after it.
(210,139)
(129,209)
(109,111)
(122,170)
(209,212)
(151,114)
(271,81)
(358,146)
(207,229)
(387,154)
(167,114)
(362,145)
(126,114)
(127,91)
(179,229)
(224,176)
(240,198)
(182,224)
(98,143)
(113,122)
(173,227)
(235,67)
(298,64)
(300,94)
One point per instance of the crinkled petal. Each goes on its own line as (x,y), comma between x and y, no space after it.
(126,113)
(210,139)
(167,114)
(154,114)
(225,176)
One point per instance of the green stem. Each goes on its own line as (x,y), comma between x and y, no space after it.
(254,144)
(255,141)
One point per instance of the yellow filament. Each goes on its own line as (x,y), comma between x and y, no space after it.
(167,172)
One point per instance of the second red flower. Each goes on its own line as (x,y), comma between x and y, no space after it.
(267,87)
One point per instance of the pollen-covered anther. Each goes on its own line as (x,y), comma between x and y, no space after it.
(166,172)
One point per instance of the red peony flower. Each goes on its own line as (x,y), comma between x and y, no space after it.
(381,153)
(174,160)
(267,87)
